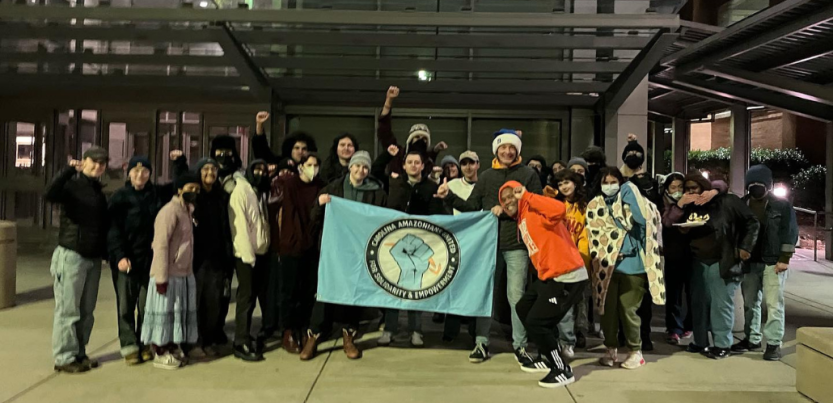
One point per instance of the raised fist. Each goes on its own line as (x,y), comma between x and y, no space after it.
(519,192)
(411,254)
(441,146)
(262,117)
(393,150)
(175,154)
(393,92)
(78,165)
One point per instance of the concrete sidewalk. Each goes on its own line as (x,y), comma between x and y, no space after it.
(437,373)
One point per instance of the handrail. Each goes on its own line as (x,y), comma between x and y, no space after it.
(815,228)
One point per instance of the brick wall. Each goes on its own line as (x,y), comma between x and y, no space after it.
(810,138)
(767,130)
(721,133)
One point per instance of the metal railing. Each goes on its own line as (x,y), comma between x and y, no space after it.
(815,215)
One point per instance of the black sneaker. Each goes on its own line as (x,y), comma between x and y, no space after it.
(536,365)
(773,353)
(717,353)
(557,379)
(647,345)
(522,356)
(84,360)
(693,348)
(72,368)
(247,352)
(581,341)
(479,354)
(745,346)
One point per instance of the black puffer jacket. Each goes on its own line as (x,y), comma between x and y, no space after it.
(132,214)
(417,199)
(84,220)
(484,196)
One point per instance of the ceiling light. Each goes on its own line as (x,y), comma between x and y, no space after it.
(424,75)
(204,4)
(754,107)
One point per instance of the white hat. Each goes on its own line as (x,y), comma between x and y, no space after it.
(506,136)
(419,129)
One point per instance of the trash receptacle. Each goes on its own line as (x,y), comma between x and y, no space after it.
(8,263)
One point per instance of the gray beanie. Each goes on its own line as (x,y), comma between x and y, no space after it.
(577,161)
(759,174)
(360,157)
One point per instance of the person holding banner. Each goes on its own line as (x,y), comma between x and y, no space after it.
(561,276)
(512,255)
(413,195)
(358,186)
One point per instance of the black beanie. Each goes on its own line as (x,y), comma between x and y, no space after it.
(203,162)
(633,146)
(139,160)
(760,174)
(186,178)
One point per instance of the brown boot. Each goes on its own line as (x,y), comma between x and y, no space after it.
(289,343)
(310,344)
(350,348)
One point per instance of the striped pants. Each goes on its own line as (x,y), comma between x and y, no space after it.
(541,308)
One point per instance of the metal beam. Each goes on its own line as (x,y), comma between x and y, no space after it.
(763,15)
(797,106)
(353,98)
(440,86)
(11,80)
(111,59)
(664,94)
(433,40)
(801,55)
(341,17)
(462,65)
(801,24)
(113,33)
(639,68)
(783,85)
(669,85)
(242,62)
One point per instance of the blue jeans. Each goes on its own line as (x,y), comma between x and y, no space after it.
(76,280)
(763,283)
(566,328)
(517,265)
(712,304)
(392,321)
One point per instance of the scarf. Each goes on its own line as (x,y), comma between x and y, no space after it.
(606,238)
(497,165)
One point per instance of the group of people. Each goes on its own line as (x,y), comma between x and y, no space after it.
(602,241)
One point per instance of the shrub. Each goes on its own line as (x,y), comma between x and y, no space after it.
(808,186)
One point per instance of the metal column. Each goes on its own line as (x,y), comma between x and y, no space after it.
(680,143)
(828,191)
(740,139)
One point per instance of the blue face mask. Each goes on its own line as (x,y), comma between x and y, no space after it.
(610,189)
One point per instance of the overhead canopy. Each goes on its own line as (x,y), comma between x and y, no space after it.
(780,57)
(466,59)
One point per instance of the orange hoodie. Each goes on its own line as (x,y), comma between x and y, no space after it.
(550,244)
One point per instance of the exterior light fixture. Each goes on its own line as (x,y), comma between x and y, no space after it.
(780,191)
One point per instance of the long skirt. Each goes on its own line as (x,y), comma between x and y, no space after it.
(172,317)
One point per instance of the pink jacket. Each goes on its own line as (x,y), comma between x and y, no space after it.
(173,242)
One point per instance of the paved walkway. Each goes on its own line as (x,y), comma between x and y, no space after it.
(438,373)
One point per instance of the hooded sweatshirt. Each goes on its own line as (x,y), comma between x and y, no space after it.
(576,222)
(248,215)
(173,242)
(295,236)
(540,220)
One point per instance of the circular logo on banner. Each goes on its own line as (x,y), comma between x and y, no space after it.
(412,259)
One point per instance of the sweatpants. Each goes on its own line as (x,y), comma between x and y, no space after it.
(211,281)
(624,297)
(251,287)
(131,295)
(76,280)
(542,306)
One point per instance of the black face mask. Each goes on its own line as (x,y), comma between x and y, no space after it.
(757,191)
(262,182)
(420,146)
(592,172)
(634,161)
(189,197)
(227,165)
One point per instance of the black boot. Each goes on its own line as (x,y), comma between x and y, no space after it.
(247,352)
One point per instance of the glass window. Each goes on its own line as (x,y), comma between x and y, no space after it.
(88,130)
(453,131)
(540,137)
(168,139)
(66,140)
(324,129)
(192,136)
(240,135)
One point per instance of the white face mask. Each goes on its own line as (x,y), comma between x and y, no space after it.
(675,195)
(610,189)
(309,172)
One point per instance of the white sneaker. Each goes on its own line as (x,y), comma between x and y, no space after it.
(385,339)
(610,358)
(166,361)
(416,340)
(568,352)
(634,361)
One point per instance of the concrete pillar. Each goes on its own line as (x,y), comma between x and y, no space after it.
(581,132)
(658,148)
(741,150)
(828,192)
(680,142)
(632,117)
(8,263)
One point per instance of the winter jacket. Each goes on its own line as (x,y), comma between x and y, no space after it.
(173,242)
(485,196)
(248,214)
(778,233)
(731,227)
(417,199)
(295,236)
(384,132)
(373,194)
(84,220)
(540,220)
(132,215)
(332,170)
(674,242)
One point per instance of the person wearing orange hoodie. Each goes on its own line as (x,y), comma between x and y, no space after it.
(561,279)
